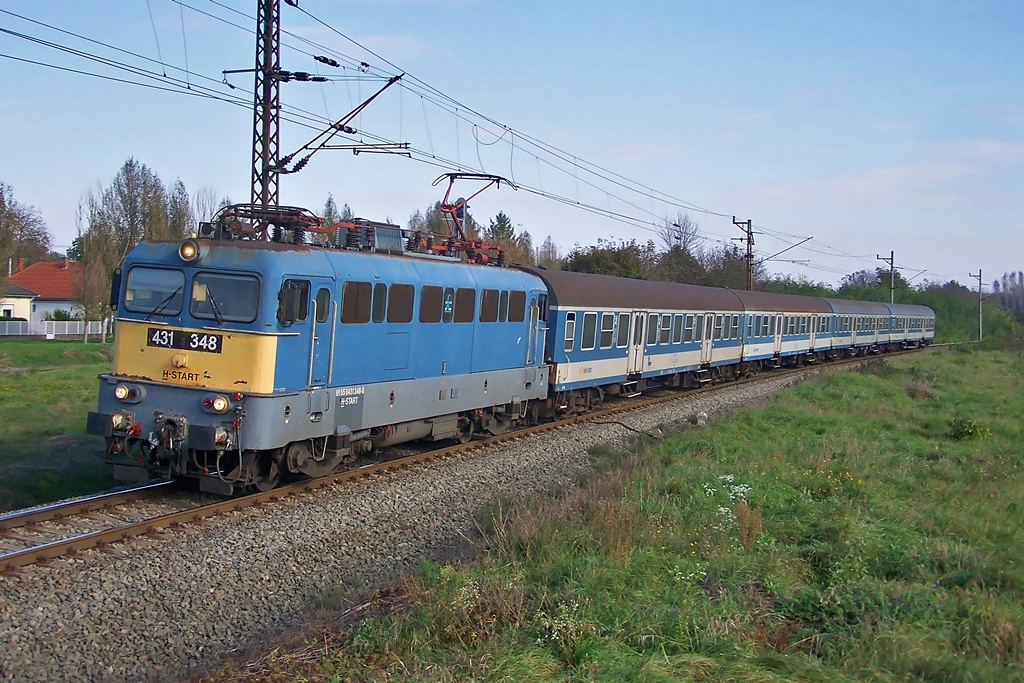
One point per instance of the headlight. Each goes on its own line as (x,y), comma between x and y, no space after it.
(129,393)
(189,251)
(216,404)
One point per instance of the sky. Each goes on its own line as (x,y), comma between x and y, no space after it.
(870,126)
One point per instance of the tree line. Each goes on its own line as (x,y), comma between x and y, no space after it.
(137,205)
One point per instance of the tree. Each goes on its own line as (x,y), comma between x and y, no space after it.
(23,233)
(96,251)
(623,259)
(204,204)
(547,255)
(500,228)
(181,218)
(681,232)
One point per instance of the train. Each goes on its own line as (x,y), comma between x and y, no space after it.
(272,347)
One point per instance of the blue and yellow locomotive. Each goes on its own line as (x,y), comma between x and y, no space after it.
(239,361)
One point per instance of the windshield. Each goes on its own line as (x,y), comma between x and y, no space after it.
(154,291)
(220,297)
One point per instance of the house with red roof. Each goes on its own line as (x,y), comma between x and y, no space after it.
(40,290)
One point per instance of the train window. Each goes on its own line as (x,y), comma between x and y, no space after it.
(622,339)
(666,329)
(465,305)
(607,329)
(735,327)
(155,291)
(355,302)
(652,328)
(638,329)
(677,328)
(400,303)
(448,305)
(221,297)
(489,306)
(589,337)
(805,324)
(688,329)
(718,327)
(380,302)
(698,328)
(503,306)
(323,304)
(750,326)
(570,331)
(430,304)
(517,306)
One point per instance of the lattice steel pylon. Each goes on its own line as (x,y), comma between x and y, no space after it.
(266,104)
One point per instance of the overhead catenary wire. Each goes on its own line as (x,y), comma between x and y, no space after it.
(637,212)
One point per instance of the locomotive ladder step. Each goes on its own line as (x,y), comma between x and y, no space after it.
(703,376)
(629,389)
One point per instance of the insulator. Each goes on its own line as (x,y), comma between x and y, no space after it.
(430,242)
(471,254)
(502,259)
(298,235)
(371,234)
(449,248)
(326,60)
(278,234)
(413,242)
(352,239)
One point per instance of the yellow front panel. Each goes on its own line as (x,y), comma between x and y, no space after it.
(245,362)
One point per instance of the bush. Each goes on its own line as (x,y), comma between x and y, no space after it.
(964,428)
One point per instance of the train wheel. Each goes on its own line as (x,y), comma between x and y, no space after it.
(465,429)
(266,473)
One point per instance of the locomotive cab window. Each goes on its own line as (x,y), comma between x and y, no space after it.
(448,305)
(154,291)
(234,298)
(380,302)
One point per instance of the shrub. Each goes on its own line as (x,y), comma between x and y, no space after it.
(964,428)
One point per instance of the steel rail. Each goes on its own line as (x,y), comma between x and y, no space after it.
(55,549)
(103,501)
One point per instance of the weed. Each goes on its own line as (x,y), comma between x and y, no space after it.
(964,428)
(749,521)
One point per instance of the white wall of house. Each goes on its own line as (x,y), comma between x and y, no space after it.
(40,309)
(16,307)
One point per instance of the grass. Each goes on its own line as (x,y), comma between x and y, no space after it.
(851,530)
(46,390)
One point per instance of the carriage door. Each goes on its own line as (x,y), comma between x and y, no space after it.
(636,345)
(535,337)
(322,315)
(706,344)
(778,334)
(814,329)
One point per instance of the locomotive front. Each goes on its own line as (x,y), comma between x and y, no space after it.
(197,348)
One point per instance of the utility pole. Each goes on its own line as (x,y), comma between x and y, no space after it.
(980,299)
(892,274)
(748,225)
(266,104)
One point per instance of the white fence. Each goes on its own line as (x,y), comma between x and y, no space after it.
(53,328)
(14,328)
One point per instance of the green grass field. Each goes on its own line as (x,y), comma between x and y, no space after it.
(46,390)
(864,526)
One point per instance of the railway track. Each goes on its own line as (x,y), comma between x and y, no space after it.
(39,535)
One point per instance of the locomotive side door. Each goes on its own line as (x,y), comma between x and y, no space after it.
(635,362)
(706,344)
(322,308)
